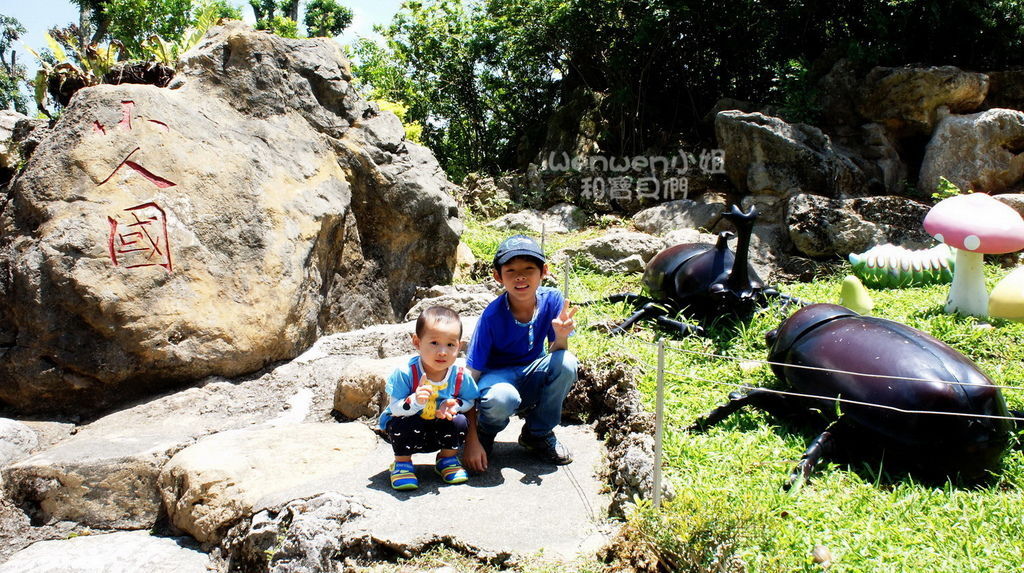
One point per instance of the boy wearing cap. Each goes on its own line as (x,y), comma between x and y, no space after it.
(508,358)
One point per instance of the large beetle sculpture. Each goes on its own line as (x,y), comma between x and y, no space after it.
(701,280)
(889,367)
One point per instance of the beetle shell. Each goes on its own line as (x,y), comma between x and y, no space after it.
(659,276)
(836,338)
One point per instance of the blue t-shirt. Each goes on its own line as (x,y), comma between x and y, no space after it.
(399,387)
(500,341)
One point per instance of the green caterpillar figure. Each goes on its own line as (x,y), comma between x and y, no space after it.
(889,266)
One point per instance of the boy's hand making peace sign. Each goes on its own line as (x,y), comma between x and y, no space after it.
(563,326)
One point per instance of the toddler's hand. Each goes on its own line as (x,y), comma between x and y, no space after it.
(449,409)
(423,391)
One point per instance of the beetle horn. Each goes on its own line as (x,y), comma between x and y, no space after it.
(739,279)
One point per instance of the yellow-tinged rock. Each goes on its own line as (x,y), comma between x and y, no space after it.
(1007,299)
(855,297)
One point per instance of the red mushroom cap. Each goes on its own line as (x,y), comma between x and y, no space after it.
(976,222)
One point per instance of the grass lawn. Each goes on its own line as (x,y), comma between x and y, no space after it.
(730,511)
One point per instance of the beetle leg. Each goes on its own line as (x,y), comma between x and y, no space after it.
(649,310)
(683,327)
(772,403)
(786,299)
(823,446)
(629,298)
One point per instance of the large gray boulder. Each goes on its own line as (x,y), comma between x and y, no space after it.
(766,155)
(907,100)
(158,236)
(679,214)
(208,487)
(560,218)
(121,552)
(981,152)
(105,475)
(618,251)
(820,226)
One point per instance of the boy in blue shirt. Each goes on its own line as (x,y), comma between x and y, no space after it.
(428,398)
(507,357)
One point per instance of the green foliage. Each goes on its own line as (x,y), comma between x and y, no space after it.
(281,25)
(483,77)
(326,18)
(206,15)
(470,74)
(947,189)
(12,74)
(133,22)
(68,66)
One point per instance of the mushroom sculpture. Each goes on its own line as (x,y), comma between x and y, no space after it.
(975,225)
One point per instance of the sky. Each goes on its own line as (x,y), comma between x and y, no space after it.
(37,16)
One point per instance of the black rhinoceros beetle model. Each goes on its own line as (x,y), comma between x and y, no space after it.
(879,362)
(701,280)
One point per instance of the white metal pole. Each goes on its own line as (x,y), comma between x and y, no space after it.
(565,282)
(659,423)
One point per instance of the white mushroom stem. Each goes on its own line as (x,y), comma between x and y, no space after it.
(968,295)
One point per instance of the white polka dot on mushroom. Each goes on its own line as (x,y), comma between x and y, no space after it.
(938,237)
(972,242)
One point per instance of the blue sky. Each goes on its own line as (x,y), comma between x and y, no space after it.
(37,16)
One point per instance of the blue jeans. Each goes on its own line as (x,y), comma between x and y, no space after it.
(535,390)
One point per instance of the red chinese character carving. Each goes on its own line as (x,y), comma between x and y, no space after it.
(140,239)
(145,173)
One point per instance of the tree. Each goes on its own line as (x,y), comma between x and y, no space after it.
(323,17)
(132,22)
(326,18)
(471,76)
(12,74)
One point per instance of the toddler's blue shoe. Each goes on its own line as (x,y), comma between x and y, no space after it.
(403,476)
(451,470)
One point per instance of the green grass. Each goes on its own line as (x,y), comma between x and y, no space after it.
(731,512)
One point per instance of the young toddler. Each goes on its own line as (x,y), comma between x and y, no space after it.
(428,398)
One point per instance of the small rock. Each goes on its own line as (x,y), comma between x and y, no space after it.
(821,555)
(681,214)
(619,252)
(16,441)
(360,389)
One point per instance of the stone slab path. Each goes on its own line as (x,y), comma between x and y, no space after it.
(519,507)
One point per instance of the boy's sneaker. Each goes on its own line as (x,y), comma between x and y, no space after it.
(546,447)
(403,476)
(451,470)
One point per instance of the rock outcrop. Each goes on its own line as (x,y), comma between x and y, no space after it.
(122,552)
(161,235)
(981,152)
(618,252)
(907,100)
(561,218)
(679,214)
(820,227)
(766,155)
(208,487)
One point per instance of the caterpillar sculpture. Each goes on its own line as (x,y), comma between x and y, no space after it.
(889,266)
